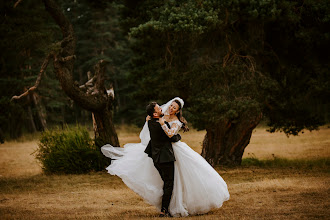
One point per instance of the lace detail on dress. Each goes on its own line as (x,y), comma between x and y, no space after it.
(175,127)
(167,112)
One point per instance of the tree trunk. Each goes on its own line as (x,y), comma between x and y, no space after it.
(224,144)
(96,100)
(104,129)
(32,126)
(40,111)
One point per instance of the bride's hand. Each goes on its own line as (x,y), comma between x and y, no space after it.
(161,121)
(148,118)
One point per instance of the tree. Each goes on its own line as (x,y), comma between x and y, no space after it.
(24,40)
(99,36)
(234,62)
(93,95)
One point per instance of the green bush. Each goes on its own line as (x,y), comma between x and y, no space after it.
(69,151)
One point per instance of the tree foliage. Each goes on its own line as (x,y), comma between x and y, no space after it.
(229,57)
(234,61)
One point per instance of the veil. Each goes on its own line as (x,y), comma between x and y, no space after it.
(145,134)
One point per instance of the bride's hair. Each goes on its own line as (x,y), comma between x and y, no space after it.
(181,118)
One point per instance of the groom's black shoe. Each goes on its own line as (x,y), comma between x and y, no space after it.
(165,213)
(168,215)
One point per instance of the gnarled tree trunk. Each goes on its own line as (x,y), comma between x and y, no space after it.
(97,100)
(224,143)
(92,96)
(103,128)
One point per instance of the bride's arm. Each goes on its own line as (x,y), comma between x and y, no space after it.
(169,131)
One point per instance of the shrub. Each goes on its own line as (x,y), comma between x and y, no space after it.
(69,151)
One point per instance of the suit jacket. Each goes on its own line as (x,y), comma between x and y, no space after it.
(160,145)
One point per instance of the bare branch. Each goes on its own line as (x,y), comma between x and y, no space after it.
(95,84)
(56,12)
(168,51)
(89,75)
(89,83)
(64,59)
(19,1)
(100,76)
(24,94)
(42,70)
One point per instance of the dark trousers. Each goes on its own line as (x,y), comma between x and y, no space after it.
(166,171)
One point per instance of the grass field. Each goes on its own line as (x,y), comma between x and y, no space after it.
(294,187)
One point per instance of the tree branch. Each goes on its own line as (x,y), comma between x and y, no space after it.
(88,84)
(100,76)
(19,1)
(56,12)
(95,85)
(68,58)
(95,99)
(42,70)
(63,62)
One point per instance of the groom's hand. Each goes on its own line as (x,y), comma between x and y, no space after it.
(176,138)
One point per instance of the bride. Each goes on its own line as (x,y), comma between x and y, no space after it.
(197,189)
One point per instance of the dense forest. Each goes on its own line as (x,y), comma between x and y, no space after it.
(235,63)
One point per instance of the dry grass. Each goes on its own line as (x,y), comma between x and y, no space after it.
(256,193)
(16,159)
(309,145)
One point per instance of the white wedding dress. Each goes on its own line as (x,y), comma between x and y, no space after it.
(197,189)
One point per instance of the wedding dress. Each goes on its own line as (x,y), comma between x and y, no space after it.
(197,189)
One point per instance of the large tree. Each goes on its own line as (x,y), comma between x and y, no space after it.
(93,95)
(234,62)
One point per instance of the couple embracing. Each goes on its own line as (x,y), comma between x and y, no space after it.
(164,171)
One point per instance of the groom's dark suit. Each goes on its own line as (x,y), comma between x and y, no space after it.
(161,151)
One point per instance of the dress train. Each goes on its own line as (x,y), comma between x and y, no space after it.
(197,189)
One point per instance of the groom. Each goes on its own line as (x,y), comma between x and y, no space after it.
(161,151)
